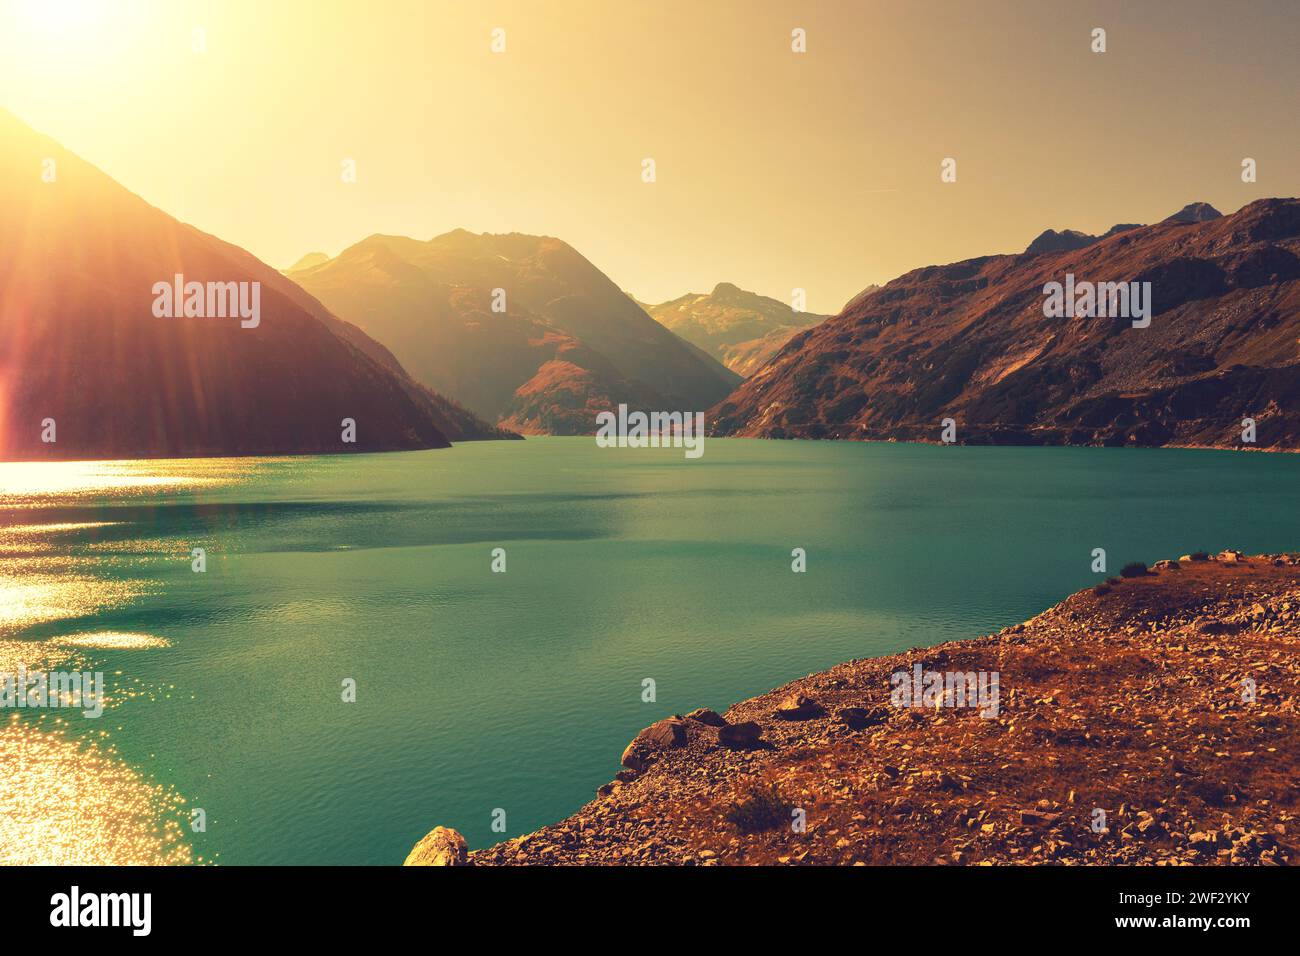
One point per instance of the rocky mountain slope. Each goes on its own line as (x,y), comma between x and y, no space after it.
(740,329)
(1153,719)
(81,345)
(970,341)
(568,341)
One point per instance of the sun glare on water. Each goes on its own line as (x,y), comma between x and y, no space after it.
(52,478)
(66,803)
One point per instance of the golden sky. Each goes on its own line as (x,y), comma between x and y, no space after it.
(774,170)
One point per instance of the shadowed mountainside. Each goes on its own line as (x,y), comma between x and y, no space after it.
(970,341)
(80,344)
(568,343)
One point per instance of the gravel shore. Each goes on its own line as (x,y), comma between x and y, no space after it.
(1148,720)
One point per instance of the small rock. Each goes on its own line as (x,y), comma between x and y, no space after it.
(1034,818)
(859,718)
(1149,826)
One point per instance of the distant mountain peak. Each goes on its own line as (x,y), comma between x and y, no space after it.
(1195,212)
(739,328)
(1049,240)
(457,235)
(309,261)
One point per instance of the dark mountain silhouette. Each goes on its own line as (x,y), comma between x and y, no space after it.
(1049,240)
(80,343)
(568,341)
(970,341)
(740,329)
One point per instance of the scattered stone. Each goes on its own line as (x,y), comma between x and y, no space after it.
(1149,826)
(859,718)
(1036,818)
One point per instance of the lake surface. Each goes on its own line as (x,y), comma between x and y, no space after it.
(479,691)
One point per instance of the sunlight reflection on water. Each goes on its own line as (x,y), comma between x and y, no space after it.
(68,798)
(65,802)
(36,483)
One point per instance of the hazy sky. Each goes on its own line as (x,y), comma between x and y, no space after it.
(774,169)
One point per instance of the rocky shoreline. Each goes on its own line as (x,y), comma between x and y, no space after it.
(1152,719)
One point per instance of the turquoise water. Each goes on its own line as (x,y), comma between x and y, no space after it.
(518,691)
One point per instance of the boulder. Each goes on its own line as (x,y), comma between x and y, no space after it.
(1166,565)
(666,734)
(799,707)
(710,718)
(441,846)
(741,736)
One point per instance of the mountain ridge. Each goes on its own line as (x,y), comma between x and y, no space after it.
(970,341)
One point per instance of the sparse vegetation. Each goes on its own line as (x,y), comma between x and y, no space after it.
(762,808)
(1134,569)
(1200,556)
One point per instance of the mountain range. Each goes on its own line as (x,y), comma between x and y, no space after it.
(740,329)
(529,334)
(971,341)
(87,360)
(523,329)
